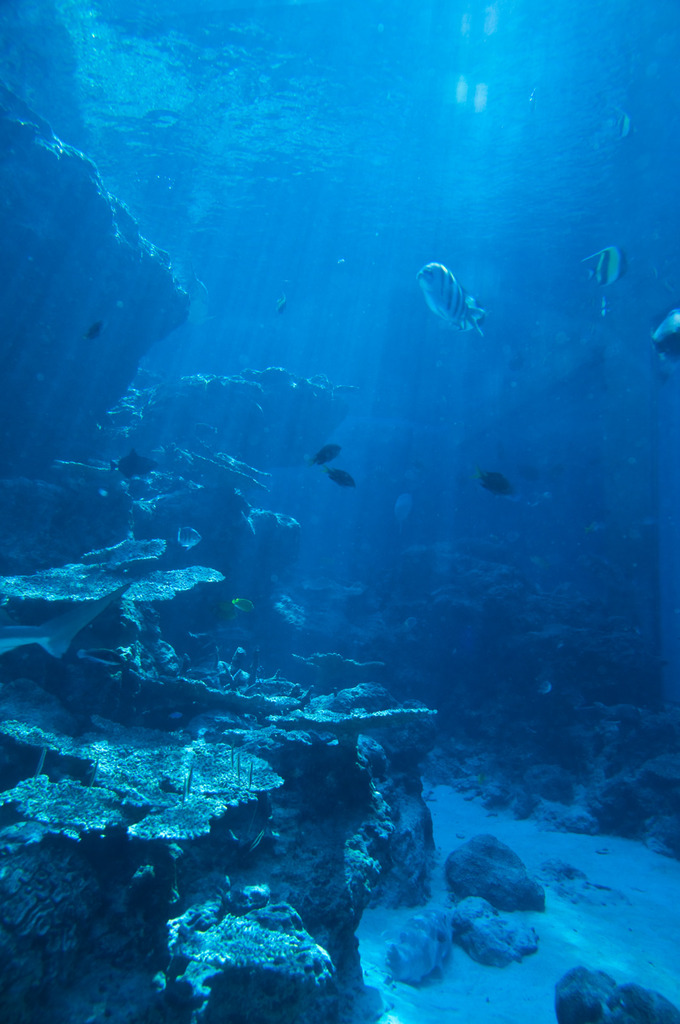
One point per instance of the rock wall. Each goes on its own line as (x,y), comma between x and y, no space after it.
(82,296)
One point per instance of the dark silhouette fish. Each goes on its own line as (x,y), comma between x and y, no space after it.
(340,477)
(134,465)
(94,330)
(494,482)
(325,454)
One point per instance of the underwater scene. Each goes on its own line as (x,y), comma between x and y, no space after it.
(340,508)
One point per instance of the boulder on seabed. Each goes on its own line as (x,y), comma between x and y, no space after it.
(583,995)
(488,868)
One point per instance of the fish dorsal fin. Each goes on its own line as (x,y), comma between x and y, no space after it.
(593,255)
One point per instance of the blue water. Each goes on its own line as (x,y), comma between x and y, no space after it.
(323,152)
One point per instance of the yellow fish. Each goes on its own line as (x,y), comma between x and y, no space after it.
(243,604)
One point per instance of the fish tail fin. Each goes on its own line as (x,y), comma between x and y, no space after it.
(479,330)
(63,628)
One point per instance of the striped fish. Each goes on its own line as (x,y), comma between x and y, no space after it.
(448,299)
(610,264)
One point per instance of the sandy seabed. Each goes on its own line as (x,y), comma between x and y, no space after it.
(625,922)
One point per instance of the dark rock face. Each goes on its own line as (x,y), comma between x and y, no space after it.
(531,656)
(486,867)
(583,996)
(556,702)
(84,295)
(637,778)
(44,523)
(48,893)
(632,1004)
(410,848)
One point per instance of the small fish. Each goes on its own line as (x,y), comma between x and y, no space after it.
(281,303)
(402,508)
(325,454)
(611,264)
(134,465)
(448,299)
(603,306)
(494,482)
(243,604)
(622,124)
(188,537)
(594,527)
(666,337)
(340,477)
(101,657)
(94,330)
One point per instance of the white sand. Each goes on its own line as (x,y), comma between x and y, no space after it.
(632,933)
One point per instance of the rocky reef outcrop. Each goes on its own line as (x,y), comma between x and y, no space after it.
(548,703)
(234,854)
(84,295)
(217,831)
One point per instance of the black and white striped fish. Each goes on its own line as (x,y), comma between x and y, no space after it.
(610,264)
(448,299)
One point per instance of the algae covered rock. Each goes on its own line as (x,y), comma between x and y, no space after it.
(262,967)
(89,582)
(154,784)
